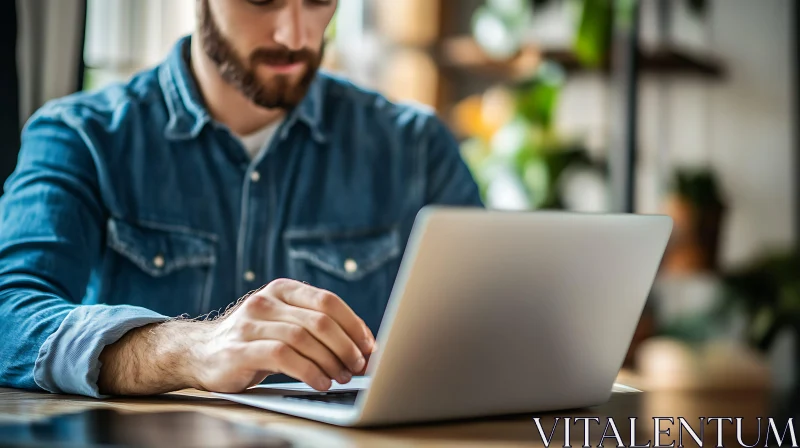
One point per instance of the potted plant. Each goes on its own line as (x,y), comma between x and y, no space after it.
(521,161)
(767,292)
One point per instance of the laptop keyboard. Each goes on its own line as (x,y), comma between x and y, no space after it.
(345,397)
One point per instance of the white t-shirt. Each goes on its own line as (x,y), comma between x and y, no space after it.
(258,141)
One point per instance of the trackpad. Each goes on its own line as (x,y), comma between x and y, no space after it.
(356,384)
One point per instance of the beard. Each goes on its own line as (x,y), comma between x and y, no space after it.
(281,91)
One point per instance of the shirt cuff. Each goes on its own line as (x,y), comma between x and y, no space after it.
(68,361)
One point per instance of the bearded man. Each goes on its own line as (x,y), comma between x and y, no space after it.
(232,170)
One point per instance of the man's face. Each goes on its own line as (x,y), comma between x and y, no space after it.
(269,50)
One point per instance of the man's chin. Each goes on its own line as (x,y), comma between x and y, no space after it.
(281,94)
(286,100)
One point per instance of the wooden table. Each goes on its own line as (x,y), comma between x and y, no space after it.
(20,406)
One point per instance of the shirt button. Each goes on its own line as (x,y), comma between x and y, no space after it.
(350,265)
(158,261)
(255,176)
(249,276)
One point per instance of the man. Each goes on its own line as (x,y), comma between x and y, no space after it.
(230,165)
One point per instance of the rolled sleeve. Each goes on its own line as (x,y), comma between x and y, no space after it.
(68,361)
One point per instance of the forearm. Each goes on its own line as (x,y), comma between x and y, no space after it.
(153,359)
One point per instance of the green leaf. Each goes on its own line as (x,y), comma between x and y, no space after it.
(537,98)
(594,32)
(537,179)
(762,322)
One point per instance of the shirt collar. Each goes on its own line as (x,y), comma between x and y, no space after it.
(188,114)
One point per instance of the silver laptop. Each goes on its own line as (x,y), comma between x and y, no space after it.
(496,313)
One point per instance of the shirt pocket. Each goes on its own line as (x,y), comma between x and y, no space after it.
(168,269)
(359,266)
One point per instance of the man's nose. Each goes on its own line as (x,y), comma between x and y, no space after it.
(290,31)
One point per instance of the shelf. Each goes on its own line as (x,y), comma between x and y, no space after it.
(676,61)
(463,53)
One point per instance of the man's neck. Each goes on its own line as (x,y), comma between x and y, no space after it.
(224,102)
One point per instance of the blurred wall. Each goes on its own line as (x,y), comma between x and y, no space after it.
(741,125)
(126,36)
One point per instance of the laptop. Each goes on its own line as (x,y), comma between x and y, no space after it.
(496,313)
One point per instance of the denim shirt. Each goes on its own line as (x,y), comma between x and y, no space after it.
(131,205)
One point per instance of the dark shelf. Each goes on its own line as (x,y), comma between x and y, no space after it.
(463,53)
(673,60)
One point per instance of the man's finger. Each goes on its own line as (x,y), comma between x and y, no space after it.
(311,298)
(328,332)
(302,342)
(276,356)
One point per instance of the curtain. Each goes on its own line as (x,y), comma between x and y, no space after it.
(41,49)
(50,50)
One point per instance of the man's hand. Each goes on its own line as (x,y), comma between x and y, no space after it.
(286,327)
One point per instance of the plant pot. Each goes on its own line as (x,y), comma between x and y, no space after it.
(694,244)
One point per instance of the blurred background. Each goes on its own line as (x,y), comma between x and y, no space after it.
(683,107)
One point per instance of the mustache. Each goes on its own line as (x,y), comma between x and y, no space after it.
(282,56)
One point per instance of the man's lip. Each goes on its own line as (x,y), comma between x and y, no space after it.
(285,68)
